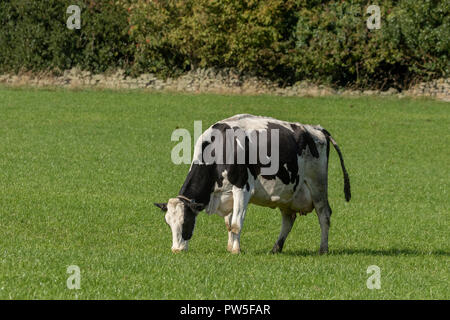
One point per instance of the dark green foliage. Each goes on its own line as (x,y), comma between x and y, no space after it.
(321,41)
(251,36)
(333,43)
(34,36)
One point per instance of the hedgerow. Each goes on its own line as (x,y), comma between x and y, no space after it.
(287,41)
(34,36)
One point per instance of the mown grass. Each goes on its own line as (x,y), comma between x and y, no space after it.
(79,172)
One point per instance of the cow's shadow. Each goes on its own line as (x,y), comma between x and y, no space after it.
(367,252)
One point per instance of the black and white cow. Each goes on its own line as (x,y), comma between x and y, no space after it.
(298,186)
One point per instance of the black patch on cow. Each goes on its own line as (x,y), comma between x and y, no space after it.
(200,182)
(188,223)
(296,182)
(237,173)
(304,139)
(189,216)
(221,126)
(288,151)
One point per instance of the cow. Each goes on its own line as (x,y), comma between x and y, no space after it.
(298,186)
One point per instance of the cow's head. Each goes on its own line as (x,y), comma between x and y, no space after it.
(180,216)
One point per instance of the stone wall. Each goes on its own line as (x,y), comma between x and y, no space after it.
(211,81)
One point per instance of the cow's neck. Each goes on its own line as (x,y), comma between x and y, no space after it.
(199,183)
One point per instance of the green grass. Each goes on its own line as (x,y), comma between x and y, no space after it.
(80,170)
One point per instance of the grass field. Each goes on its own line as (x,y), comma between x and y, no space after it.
(80,170)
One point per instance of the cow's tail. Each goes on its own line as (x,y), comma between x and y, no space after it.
(347,191)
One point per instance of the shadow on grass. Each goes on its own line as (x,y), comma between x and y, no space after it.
(367,252)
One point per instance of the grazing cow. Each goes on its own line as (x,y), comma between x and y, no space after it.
(299,184)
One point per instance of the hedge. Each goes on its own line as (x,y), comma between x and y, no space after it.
(333,43)
(252,36)
(287,41)
(34,36)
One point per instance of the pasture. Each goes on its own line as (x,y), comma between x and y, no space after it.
(80,170)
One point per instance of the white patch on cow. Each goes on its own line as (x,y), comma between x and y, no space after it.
(247,121)
(175,218)
(272,193)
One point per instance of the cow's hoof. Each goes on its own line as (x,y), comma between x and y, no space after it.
(323,251)
(276,249)
(229,248)
(236,251)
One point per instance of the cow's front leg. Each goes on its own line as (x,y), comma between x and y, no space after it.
(241,197)
(230,235)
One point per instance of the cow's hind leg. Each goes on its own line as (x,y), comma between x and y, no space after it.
(323,213)
(316,179)
(318,186)
(288,219)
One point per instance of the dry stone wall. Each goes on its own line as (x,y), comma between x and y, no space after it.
(225,81)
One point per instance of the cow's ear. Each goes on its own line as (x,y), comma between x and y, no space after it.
(162,206)
(196,207)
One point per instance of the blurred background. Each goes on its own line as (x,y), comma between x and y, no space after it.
(327,43)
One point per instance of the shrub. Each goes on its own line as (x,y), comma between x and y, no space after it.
(250,36)
(334,45)
(34,36)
